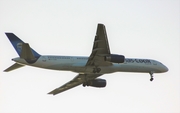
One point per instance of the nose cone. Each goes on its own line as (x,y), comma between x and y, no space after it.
(165,69)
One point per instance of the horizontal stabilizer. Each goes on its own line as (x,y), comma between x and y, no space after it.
(13,67)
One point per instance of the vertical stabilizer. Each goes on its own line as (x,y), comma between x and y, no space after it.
(24,51)
(17,44)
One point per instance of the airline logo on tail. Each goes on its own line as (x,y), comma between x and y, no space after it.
(19,47)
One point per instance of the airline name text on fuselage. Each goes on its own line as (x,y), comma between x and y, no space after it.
(146,61)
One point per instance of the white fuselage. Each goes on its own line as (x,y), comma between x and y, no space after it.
(78,64)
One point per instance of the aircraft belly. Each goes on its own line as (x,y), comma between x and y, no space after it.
(135,68)
(104,70)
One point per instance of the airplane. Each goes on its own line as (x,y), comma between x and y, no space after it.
(89,69)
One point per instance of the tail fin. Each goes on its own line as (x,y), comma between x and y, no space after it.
(18,44)
(23,50)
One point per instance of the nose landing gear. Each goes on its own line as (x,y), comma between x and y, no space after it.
(151,74)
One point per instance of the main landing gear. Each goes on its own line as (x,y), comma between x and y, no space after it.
(151,74)
(96,70)
(86,81)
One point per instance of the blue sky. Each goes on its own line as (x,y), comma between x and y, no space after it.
(136,29)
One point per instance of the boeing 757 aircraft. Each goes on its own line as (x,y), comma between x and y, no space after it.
(100,62)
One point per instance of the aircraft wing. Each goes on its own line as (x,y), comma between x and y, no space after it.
(100,48)
(79,79)
(99,51)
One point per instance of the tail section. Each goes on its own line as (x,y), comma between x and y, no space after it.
(23,50)
(17,44)
(27,54)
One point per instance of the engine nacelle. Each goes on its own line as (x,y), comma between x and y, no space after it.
(115,58)
(96,83)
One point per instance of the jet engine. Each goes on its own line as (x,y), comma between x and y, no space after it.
(115,58)
(96,83)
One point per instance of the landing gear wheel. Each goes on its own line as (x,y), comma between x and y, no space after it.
(151,74)
(96,70)
(151,79)
(84,85)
